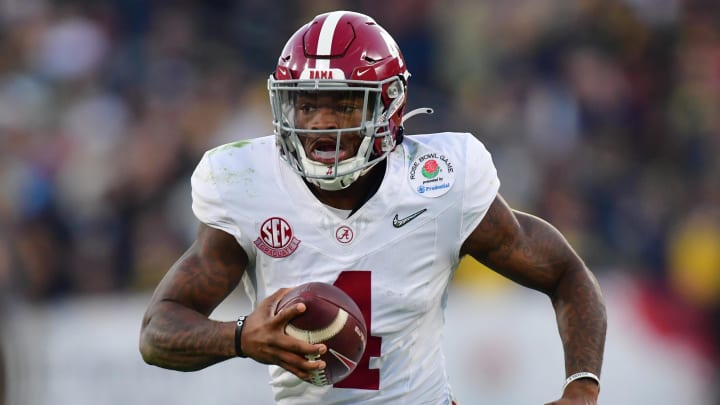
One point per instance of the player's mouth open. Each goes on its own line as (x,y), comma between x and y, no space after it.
(324,152)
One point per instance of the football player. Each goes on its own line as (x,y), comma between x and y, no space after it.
(340,194)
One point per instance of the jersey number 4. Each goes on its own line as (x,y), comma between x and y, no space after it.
(357,285)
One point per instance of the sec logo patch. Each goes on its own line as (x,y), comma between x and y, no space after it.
(276,238)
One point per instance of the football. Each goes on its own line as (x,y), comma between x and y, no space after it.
(333,318)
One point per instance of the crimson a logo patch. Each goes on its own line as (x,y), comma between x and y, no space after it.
(344,234)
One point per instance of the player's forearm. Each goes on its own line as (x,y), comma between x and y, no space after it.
(582,321)
(560,273)
(178,338)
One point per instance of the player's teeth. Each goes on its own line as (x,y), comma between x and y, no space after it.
(325,154)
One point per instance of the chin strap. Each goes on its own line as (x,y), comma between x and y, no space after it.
(417,111)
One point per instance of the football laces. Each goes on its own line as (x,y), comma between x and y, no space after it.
(319,335)
(317,377)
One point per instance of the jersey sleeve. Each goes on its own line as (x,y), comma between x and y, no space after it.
(207,203)
(481,185)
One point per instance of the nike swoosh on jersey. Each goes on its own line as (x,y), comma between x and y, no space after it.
(397,223)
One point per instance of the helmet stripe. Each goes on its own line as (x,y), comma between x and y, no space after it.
(327,32)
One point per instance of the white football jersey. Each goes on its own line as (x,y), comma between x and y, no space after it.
(395,256)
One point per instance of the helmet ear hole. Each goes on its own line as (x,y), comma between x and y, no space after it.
(393,90)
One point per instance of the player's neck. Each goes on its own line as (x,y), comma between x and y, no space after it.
(357,194)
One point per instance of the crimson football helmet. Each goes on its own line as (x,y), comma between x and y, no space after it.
(343,56)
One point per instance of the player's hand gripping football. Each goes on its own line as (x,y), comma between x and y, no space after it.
(579,392)
(264,338)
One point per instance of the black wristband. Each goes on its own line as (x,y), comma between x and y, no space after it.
(238,333)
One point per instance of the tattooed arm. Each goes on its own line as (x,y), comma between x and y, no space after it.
(533,253)
(177,332)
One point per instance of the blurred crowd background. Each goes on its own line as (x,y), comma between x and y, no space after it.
(603,117)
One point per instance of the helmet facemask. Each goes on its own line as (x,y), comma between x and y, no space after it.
(356,133)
